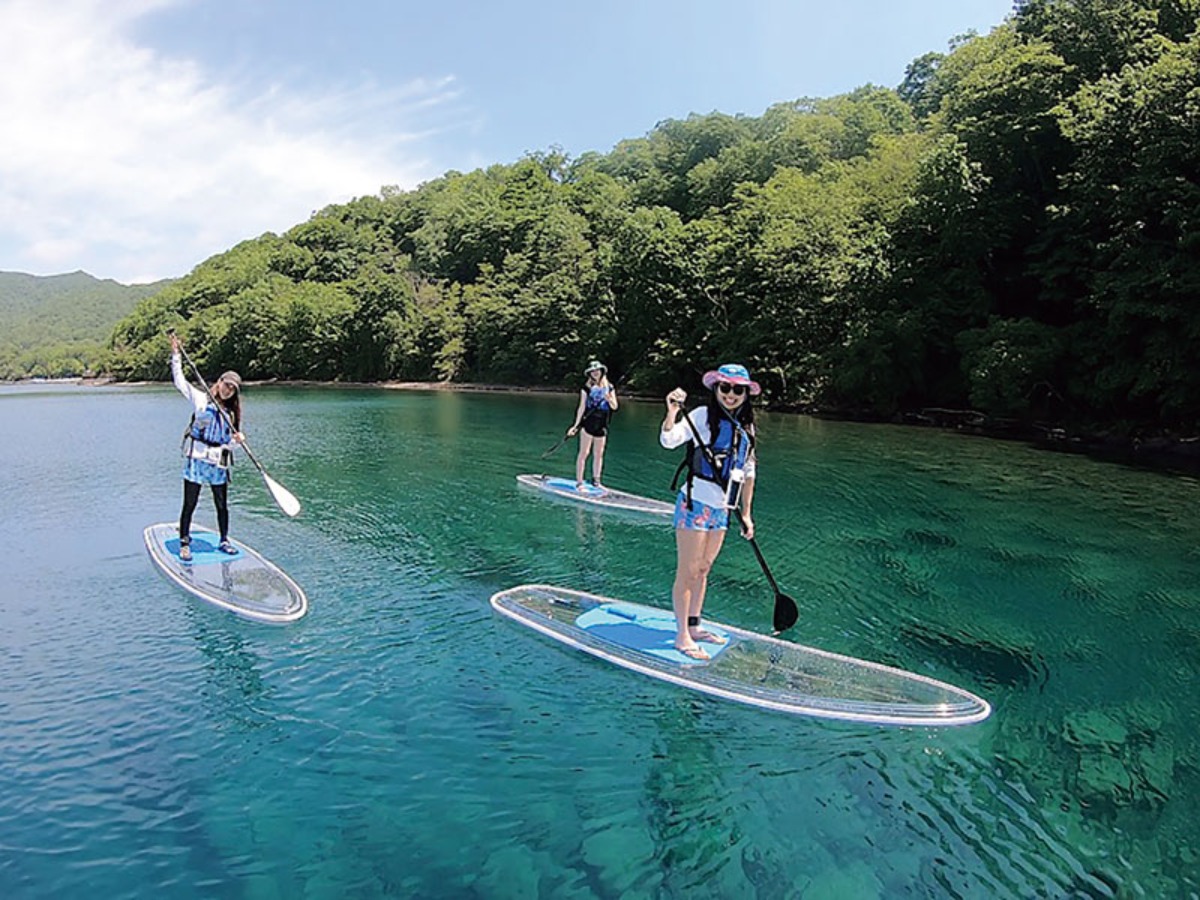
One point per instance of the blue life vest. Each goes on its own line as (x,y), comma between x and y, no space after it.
(209,427)
(730,449)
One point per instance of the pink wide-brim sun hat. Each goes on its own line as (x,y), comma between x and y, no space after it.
(734,374)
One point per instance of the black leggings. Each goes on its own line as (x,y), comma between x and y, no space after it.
(191,496)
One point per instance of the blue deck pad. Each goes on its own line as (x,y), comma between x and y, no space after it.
(568,487)
(204,549)
(635,628)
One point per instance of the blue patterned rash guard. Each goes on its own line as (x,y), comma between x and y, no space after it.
(207,445)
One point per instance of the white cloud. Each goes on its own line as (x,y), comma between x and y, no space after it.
(132,165)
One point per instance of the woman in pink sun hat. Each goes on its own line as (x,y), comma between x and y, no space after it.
(721,467)
(731,373)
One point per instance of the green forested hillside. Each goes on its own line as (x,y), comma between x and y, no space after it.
(60,325)
(1014,229)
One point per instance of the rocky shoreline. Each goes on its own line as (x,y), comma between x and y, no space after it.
(1168,452)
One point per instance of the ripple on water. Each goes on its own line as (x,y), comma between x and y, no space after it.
(401,740)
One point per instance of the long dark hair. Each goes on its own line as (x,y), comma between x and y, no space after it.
(587,380)
(232,406)
(743,415)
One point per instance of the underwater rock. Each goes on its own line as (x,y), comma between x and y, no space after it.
(1156,765)
(1092,729)
(1149,717)
(856,880)
(1103,782)
(925,538)
(610,851)
(1122,762)
(767,875)
(509,871)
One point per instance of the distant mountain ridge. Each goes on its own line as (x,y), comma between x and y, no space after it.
(59,325)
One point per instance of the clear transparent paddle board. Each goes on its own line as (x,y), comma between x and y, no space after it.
(245,583)
(749,668)
(597,496)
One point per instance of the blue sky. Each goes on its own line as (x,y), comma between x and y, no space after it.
(143,136)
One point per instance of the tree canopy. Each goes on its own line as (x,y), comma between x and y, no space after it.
(1013,229)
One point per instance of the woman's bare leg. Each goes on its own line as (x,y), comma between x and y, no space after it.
(696,551)
(585,446)
(598,458)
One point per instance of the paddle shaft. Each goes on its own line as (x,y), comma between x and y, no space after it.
(561,441)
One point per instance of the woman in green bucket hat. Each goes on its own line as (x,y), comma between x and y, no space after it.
(597,403)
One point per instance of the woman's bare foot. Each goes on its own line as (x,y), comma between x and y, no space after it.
(699,634)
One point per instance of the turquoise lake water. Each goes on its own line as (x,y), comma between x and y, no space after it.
(402,740)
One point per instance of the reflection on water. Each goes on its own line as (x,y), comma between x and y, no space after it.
(233,688)
(402,741)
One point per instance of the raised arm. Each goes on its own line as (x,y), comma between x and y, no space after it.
(197,397)
(675,430)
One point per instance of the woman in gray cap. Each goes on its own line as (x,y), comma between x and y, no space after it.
(597,402)
(207,448)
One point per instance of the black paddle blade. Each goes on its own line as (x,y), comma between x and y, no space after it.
(786,612)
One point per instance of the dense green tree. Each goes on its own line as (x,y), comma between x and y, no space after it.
(1013,229)
(920,88)
(1132,208)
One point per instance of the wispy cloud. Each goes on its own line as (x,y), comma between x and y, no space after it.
(134,165)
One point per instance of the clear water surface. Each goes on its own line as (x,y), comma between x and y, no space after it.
(404,741)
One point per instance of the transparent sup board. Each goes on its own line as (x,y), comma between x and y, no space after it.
(246,583)
(602,496)
(751,668)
